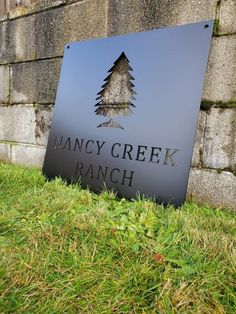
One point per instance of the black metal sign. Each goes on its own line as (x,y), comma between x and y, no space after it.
(126,112)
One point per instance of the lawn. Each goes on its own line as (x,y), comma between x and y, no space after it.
(67,250)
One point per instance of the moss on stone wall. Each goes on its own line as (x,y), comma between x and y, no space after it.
(207,104)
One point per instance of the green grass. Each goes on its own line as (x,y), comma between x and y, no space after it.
(66,250)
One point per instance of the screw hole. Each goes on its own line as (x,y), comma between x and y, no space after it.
(206,26)
(68,47)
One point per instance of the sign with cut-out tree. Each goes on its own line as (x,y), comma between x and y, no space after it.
(126,112)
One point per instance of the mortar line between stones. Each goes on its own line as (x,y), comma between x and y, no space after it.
(12,143)
(43,10)
(106,17)
(9,86)
(7,105)
(28,61)
(218,170)
(203,141)
(10,152)
(224,34)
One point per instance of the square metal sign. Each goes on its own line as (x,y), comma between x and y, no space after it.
(126,112)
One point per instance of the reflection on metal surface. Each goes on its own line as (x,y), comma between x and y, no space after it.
(117,94)
(148,152)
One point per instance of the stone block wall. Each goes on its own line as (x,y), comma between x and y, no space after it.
(32,38)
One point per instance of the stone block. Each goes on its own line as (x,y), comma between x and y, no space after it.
(26,155)
(227,16)
(3,8)
(35,82)
(18,3)
(3,17)
(219,142)
(4,83)
(17,124)
(213,188)
(5,152)
(198,144)
(43,123)
(126,16)
(220,80)
(31,6)
(5,45)
(43,35)
(3,11)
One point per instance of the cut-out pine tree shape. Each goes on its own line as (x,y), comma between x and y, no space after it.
(117,94)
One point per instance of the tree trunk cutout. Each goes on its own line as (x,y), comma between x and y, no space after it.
(117,94)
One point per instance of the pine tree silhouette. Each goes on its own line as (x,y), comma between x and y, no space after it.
(117,94)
